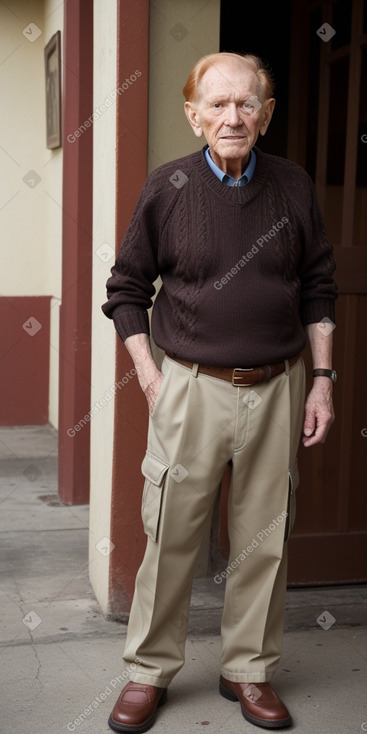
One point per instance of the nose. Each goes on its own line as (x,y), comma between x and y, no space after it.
(233,118)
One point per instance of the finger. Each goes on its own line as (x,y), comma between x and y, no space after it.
(309,425)
(152,392)
(319,436)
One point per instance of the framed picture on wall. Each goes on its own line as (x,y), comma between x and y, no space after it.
(53,91)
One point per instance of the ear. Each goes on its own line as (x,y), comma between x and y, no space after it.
(267,113)
(193,118)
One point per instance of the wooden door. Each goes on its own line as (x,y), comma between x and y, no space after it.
(326,133)
(328,136)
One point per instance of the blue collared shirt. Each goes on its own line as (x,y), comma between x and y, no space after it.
(229,180)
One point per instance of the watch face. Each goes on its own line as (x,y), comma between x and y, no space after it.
(328,373)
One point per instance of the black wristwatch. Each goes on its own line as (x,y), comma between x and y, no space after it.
(325,373)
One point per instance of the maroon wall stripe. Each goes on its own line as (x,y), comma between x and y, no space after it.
(75,312)
(25,360)
(131,414)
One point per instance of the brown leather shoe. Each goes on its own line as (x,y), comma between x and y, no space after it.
(136,707)
(259,703)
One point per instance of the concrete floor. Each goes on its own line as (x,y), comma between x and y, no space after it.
(61,661)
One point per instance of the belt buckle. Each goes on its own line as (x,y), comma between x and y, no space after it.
(235,377)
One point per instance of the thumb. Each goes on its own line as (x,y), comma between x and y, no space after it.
(309,423)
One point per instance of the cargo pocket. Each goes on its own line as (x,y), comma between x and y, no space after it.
(291,509)
(154,471)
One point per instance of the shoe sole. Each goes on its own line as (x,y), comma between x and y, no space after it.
(264,723)
(138,728)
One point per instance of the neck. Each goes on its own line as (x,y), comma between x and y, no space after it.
(233,166)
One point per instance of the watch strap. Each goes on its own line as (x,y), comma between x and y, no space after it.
(325,373)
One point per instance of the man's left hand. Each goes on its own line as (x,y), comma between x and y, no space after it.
(319,412)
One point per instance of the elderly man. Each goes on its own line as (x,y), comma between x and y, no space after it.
(237,238)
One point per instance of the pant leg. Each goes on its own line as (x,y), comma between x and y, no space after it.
(268,433)
(190,441)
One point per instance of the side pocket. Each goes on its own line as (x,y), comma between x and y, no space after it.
(154,471)
(165,368)
(291,509)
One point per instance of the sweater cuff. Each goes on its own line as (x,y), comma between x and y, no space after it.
(128,323)
(314,311)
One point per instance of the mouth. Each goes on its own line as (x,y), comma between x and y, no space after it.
(233,137)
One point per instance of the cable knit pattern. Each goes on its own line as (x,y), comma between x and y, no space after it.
(193,271)
(243,269)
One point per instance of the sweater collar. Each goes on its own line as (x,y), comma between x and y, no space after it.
(225,177)
(235,195)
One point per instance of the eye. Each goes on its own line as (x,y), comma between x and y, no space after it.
(252,105)
(217,105)
(248,107)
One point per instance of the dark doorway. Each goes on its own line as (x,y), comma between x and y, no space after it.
(265,32)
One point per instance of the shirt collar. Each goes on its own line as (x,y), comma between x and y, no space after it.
(229,180)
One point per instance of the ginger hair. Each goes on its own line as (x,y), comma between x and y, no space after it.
(254,63)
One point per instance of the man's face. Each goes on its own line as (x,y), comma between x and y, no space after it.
(230,112)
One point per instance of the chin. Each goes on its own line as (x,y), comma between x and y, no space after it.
(231,152)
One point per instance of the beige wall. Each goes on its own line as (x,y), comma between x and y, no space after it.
(30,231)
(103,336)
(180,34)
(53,21)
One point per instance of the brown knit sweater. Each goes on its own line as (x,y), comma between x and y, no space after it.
(243,269)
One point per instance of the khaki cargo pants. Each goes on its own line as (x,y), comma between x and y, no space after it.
(198,424)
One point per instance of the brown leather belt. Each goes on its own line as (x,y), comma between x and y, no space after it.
(240,376)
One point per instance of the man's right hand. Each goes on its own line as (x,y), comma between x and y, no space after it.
(149,376)
(151,392)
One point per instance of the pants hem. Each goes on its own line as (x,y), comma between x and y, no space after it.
(150,680)
(246,677)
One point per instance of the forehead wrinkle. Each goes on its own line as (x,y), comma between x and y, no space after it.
(234,95)
(228,87)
